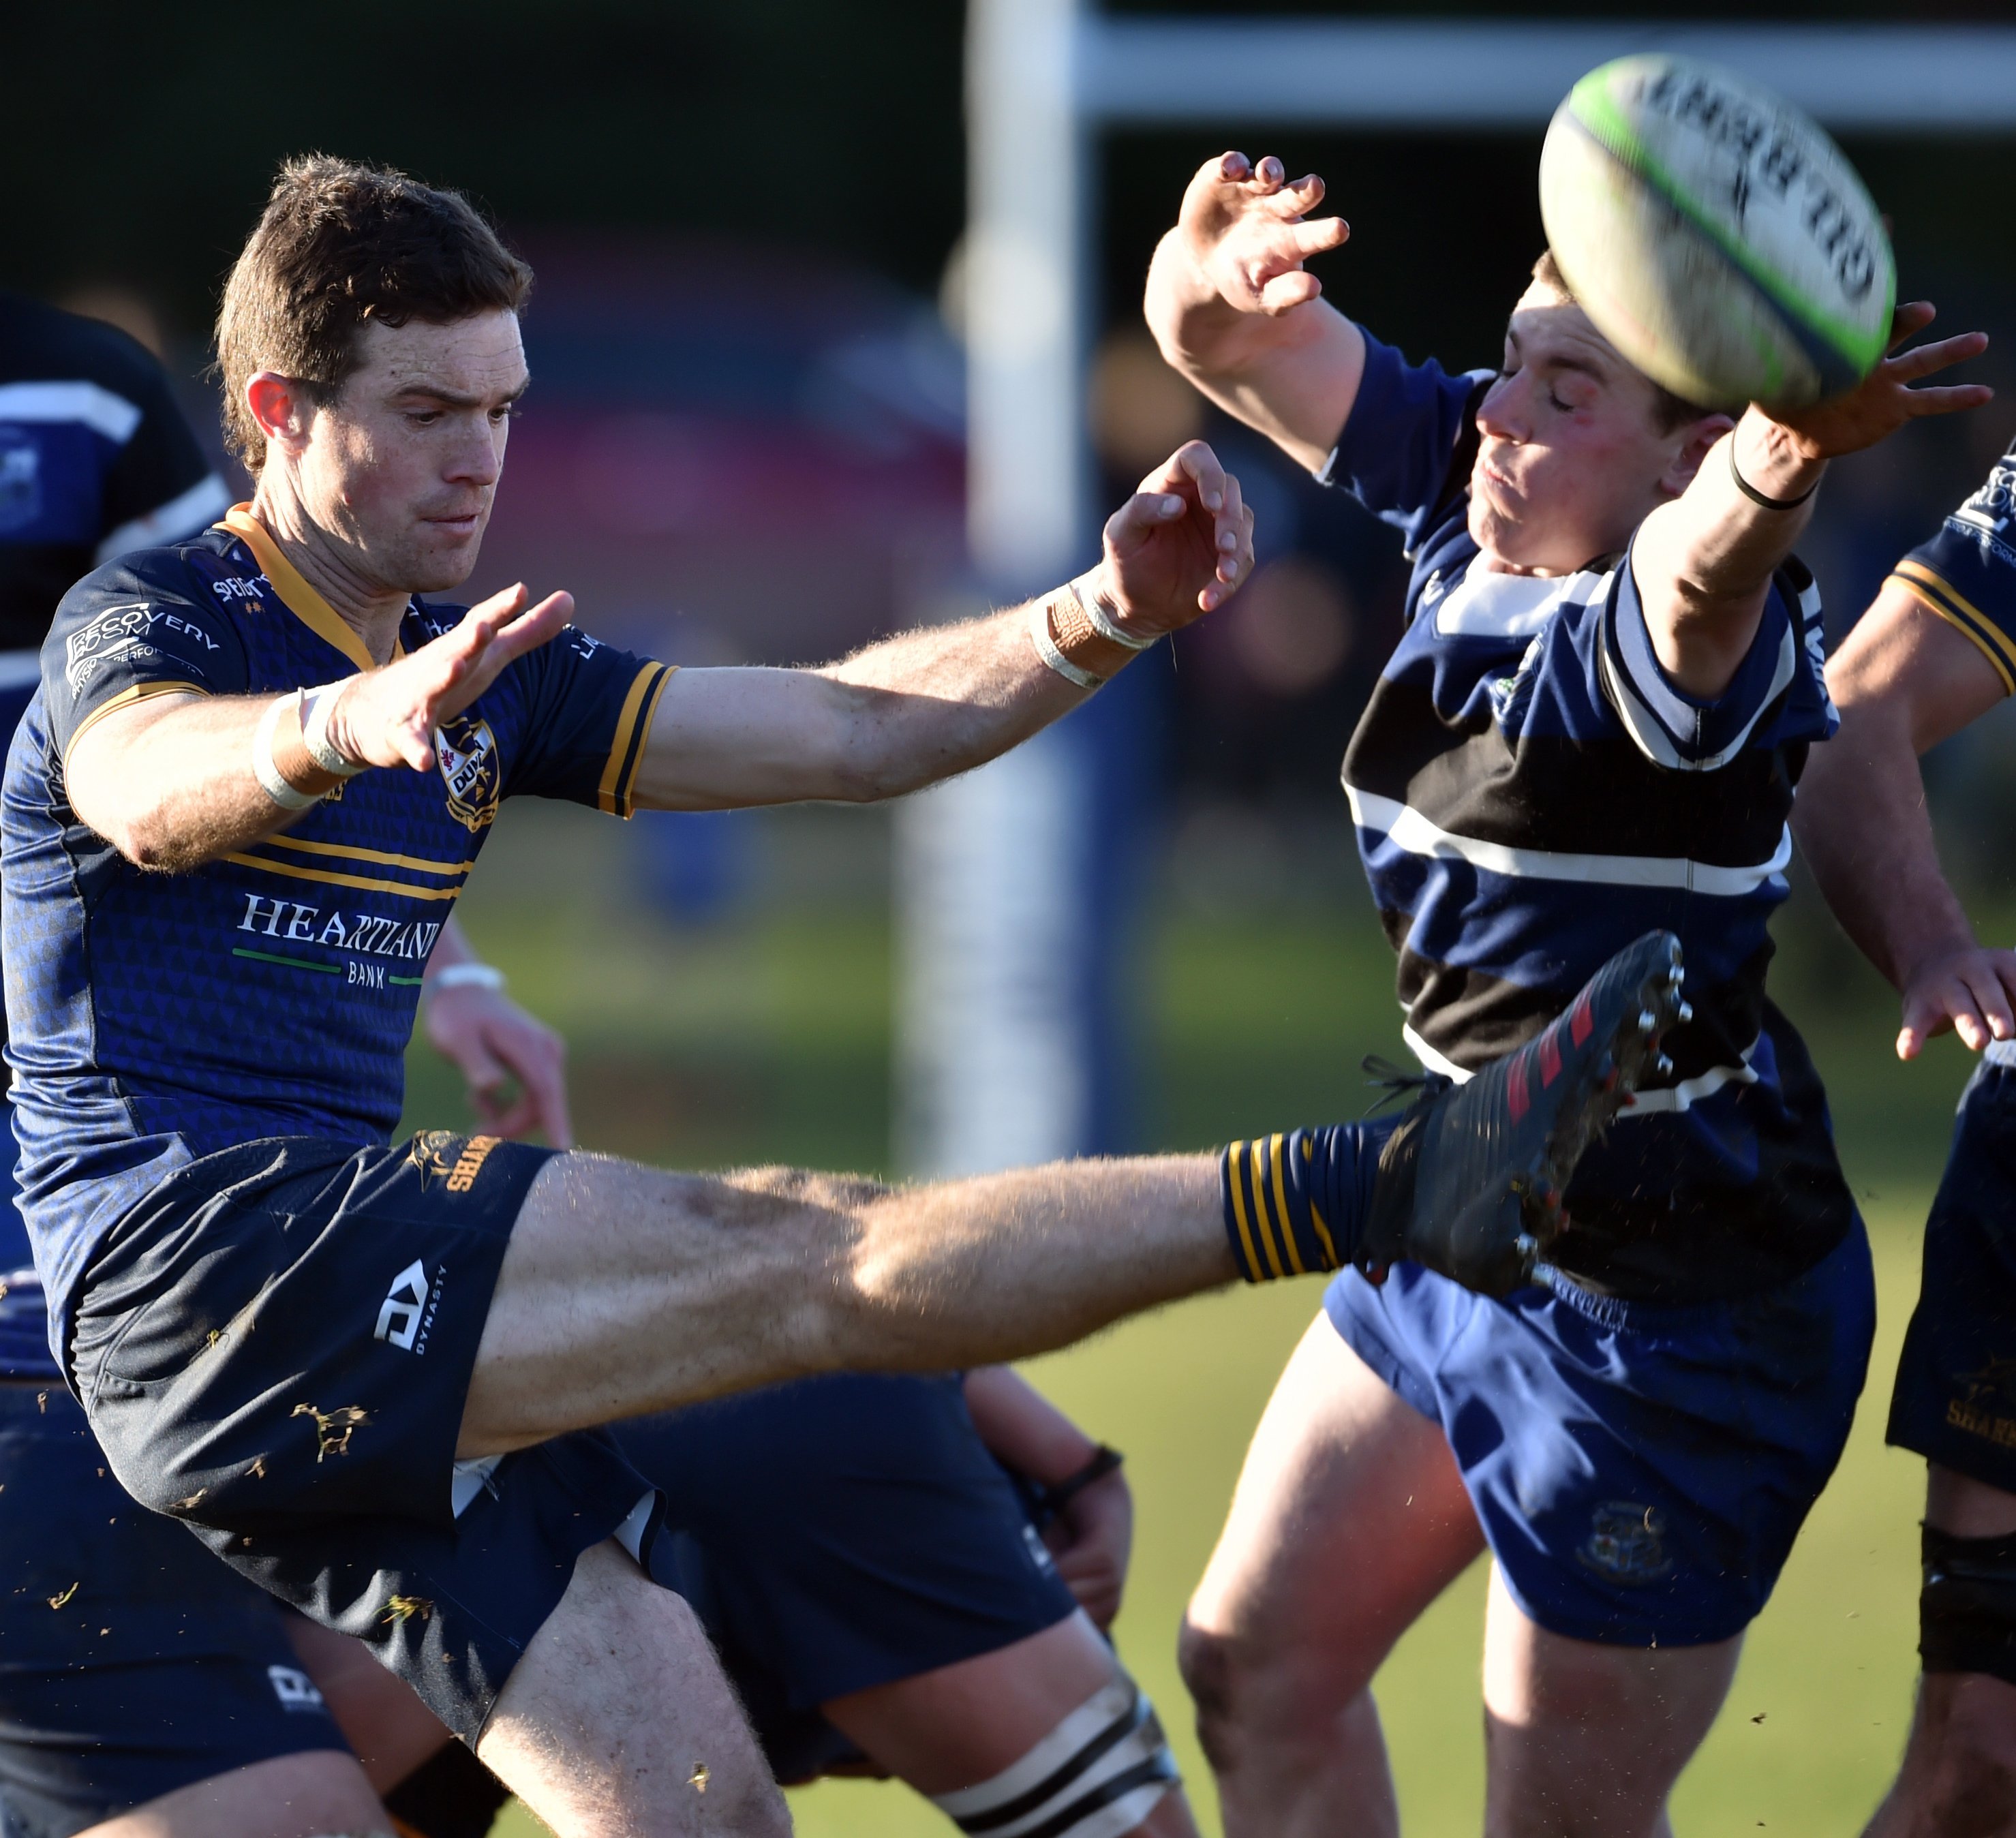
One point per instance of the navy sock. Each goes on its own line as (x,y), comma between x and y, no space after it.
(1298,1203)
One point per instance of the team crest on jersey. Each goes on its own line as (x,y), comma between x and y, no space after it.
(467,752)
(1627,1542)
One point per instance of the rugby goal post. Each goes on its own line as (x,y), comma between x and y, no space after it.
(1007,1006)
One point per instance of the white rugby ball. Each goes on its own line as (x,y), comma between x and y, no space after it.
(1715,235)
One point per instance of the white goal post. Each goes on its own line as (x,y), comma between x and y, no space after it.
(997,923)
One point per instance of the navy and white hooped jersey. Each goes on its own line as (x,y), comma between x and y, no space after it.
(156,1017)
(1531,792)
(95,459)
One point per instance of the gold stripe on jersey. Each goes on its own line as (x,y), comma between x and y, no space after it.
(1937,595)
(633,735)
(126,698)
(349,854)
(331,878)
(300,599)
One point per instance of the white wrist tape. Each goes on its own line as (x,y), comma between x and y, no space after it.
(271,779)
(466,977)
(1046,648)
(1101,623)
(1095,1775)
(314,733)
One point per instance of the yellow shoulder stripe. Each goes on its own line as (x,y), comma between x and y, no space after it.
(1937,595)
(126,698)
(633,734)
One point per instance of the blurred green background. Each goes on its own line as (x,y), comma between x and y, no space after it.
(766,1038)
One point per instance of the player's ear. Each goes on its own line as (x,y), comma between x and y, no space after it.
(280,407)
(1696,439)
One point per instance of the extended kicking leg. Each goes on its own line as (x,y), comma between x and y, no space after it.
(625,1290)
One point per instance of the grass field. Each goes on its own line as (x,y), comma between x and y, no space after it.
(768,1038)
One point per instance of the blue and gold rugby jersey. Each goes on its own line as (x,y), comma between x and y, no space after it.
(156,1018)
(1531,792)
(1966,572)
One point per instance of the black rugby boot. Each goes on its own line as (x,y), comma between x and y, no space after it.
(1470,1182)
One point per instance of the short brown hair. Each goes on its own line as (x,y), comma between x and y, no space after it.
(339,243)
(1670,411)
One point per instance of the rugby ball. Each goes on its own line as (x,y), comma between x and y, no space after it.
(1715,235)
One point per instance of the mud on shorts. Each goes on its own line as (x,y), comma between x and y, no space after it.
(132,1664)
(1639,1470)
(1955,1400)
(276,1349)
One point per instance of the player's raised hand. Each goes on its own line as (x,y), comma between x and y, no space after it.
(1969,989)
(1884,401)
(1248,230)
(1179,547)
(387,716)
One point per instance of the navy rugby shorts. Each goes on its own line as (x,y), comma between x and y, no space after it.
(1640,1469)
(276,1348)
(132,1662)
(840,1533)
(1955,1400)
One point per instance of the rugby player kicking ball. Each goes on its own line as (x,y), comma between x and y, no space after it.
(1935,651)
(254,779)
(1609,680)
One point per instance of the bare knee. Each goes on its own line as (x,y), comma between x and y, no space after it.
(1288,1701)
(1204,1659)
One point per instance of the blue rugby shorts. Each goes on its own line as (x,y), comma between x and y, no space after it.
(1639,1470)
(840,1533)
(1955,1400)
(276,1349)
(132,1662)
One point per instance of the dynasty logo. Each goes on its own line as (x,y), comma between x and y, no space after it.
(467,752)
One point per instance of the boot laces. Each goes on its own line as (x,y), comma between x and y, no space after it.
(1395,1081)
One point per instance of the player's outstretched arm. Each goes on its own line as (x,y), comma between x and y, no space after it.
(174,781)
(1703,564)
(927,704)
(1903,682)
(1235,311)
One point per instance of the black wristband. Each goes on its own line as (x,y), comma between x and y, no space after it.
(1756,497)
(1053,1499)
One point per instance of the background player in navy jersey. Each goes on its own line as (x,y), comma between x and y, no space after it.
(1609,680)
(864,1552)
(1936,651)
(127,1672)
(251,785)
